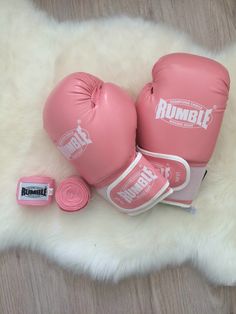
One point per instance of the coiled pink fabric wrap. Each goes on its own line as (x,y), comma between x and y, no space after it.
(72,194)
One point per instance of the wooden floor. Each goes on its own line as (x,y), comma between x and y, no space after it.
(29,284)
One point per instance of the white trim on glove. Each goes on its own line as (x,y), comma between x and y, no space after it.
(130,178)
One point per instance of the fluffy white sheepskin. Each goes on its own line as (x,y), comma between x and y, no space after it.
(35,53)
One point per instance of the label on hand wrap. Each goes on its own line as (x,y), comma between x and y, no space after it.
(35,191)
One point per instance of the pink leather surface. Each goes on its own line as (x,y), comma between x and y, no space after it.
(94,125)
(188,82)
(180,113)
(72,194)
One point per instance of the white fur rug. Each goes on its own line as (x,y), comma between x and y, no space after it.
(35,53)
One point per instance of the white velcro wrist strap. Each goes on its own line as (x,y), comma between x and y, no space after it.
(172,167)
(185,197)
(137,189)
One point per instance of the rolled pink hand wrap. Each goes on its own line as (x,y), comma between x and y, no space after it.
(72,194)
(35,191)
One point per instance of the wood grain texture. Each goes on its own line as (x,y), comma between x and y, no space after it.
(211,23)
(30,284)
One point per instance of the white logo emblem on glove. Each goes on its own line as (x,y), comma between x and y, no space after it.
(183,113)
(74,142)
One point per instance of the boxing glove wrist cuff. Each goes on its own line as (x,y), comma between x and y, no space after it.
(172,167)
(138,188)
(185,197)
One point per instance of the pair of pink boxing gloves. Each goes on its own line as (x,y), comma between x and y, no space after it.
(174,123)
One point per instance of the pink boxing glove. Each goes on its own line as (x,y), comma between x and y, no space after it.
(179,118)
(93,124)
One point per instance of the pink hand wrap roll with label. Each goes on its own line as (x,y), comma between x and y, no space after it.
(72,194)
(35,191)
